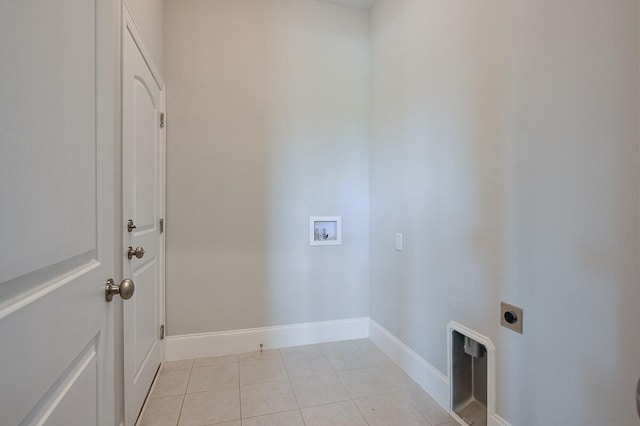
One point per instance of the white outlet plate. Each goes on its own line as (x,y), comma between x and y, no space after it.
(398,242)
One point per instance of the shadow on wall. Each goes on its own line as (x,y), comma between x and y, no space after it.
(504,146)
(439,105)
(269,106)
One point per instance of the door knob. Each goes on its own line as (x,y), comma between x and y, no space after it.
(125,289)
(137,252)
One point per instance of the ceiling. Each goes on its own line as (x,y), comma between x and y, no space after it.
(360,4)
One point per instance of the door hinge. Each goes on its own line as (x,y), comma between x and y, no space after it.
(161,119)
(161,225)
(162,332)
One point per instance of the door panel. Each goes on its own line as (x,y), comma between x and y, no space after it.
(144,313)
(44,191)
(57,141)
(69,411)
(143,150)
(145,183)
(68,396)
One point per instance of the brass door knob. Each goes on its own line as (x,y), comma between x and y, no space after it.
(137,252)
(125,289)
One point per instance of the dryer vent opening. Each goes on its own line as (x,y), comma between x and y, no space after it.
(469,379)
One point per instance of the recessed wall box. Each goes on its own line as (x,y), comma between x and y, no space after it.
(325,230)
(471,376)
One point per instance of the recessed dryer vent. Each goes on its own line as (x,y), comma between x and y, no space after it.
(471,375)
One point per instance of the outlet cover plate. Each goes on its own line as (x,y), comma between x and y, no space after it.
(398,242)
(517,325)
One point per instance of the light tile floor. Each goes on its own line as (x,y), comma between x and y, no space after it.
(330,384)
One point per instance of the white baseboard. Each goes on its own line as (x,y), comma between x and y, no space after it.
(427,376)
(248,340)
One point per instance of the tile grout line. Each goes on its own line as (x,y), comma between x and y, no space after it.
(295,395)
(270,414)
(352,400)
(205,391)
(180,412)
(239,391)
(271,380)
(184,396)
(377,366)
(335,371)
(360,411)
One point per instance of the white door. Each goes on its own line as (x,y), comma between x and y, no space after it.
(57,138)
(143,165)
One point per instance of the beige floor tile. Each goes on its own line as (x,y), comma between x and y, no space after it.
(162,411)
(289,418)
(253,356)
(379,358)
(428,407)
(337,347)
(177,365)
(318,389)
(376,354)
(372,381)
(260,371)
(390,409)
(206,408)
(267,398)
(213,377)
(296,352)
(337,414)
(169,383)
(365,344)
(311,363)
(275,383)
(349,359)
(215,360)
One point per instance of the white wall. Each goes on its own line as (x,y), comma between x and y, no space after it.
(148,15)
(267,125)
(505,148)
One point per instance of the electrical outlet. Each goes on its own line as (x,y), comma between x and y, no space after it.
(511,317)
